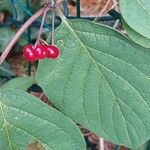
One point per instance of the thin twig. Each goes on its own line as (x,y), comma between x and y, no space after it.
(58,2)
(28,11)
(114,5)
(101,143)
(115,2)
(41,95)
(44,42)
(117,147)
(19,33)
(102,10)
(41,27)
(53,25)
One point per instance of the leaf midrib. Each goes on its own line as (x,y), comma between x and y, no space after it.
(97,68)
(112,36)
(136,116)
(95,62)
(19,128)
(5,125)
(148,78)
(115,58)
(43,120)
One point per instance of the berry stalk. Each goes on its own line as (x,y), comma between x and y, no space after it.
(53,25)
(20,32)
(41,27)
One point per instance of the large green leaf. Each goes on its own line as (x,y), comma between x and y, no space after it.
(137,15)
(143,147)
(24,120)
(101,80)
(136,37)
(20,83)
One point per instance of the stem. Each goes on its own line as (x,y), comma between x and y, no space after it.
(41,27)
(41,40)
(54,7)
(101,143)
(14,11)
(29,39)
(61,15)
(102,10)
(19,33)
(27,11)
(117,147)
(53,26)
(78,8)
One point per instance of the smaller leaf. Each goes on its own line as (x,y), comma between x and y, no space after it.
(2,82)
(4,5)
(34,32)
(143,147)
(20,83)
(6,35)
(136,37)
(137,15)
(5,70)
(24,121)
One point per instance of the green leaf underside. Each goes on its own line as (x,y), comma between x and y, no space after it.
(24,120)
(20,83)
(137,15)
(136,37)
(101,80)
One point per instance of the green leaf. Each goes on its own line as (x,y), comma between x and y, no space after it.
(4,5)
(24,120)
(101,80)
(34,32)
(136,13)
(20,83)
(6,34)
(143,147)
(6,73)
(5,70)
(136,37)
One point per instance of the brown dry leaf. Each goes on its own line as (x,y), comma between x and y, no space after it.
(35,146)
(89,7)
(2,17)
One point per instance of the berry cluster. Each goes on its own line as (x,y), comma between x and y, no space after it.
(40,52)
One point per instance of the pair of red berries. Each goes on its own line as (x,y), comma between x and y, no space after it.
(40,52)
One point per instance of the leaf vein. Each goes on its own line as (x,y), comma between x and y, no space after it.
(41,119)
(5,125)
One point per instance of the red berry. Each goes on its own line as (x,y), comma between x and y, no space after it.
(52,51)
(28,53)
(41,51)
